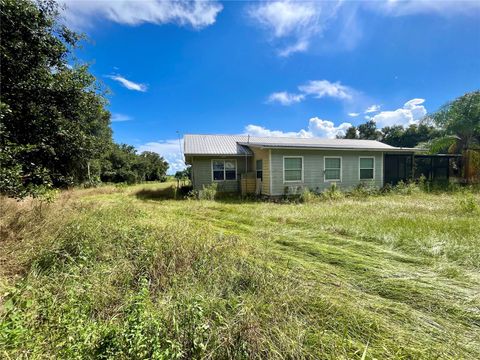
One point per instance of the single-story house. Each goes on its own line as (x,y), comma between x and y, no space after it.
(276,166)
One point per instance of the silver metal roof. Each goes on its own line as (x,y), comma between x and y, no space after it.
(238,144)
(215,145)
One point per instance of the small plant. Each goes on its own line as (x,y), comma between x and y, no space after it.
(468,204)
(208,192)
(333,193)
(404,188)
(307,196)
(364,190)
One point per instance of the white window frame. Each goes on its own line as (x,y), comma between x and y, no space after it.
(283,166)
(224,170)
(360,168)
(325,172)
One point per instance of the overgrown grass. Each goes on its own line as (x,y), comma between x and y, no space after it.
(118,272)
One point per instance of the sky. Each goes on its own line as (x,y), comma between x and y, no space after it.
(273,68)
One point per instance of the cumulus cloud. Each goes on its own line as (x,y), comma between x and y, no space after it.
(285,98)
(316,128)
(315,88)
(171,150)
(116,117)
(294,22)
(371,109)
(411,113)
(194,13)
(130,85)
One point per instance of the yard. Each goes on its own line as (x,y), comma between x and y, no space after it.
(118,272)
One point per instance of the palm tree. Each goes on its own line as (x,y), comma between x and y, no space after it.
(460,122)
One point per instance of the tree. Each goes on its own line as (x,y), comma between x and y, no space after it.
(368,131)
(351,133)
(411,136)
(53,120)
(460,122)
(122,164)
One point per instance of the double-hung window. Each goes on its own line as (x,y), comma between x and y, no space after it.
(259,169)
(224,170)
(293,168)
(333,168)
(367,168)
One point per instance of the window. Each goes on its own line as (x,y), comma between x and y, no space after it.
(224,170)
(259,167)
(333,168)
(367,168)
(292,169)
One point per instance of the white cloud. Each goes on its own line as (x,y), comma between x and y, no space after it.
(323,88)
(371,109)
(116,117)
(195,13)
(353,114)
(300,46)
(130,85)
(295,26)
(412,7)
(411,113)
(171,150)
(285,98)
(316,128)
(316,88)
(295,22)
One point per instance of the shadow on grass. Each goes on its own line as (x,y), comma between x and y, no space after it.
(168,193)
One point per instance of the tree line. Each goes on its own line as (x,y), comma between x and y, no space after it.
(54,125)
(454,128)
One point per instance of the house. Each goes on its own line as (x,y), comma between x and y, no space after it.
(275,166)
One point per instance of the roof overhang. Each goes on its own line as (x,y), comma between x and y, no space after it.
(330,148)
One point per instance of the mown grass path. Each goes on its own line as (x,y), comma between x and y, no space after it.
(232,279)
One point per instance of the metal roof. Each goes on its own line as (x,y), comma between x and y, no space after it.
(238,144)
(215,145)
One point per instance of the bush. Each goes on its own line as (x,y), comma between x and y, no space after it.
(332,193)
(208,192)
(364,190)
(308,196)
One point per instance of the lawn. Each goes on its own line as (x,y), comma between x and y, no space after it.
(120,272)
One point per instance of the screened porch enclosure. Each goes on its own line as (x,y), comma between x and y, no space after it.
(435,168)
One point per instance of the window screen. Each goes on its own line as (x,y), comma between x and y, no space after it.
(292,168)
(333,167)
(224,170)
(367,168)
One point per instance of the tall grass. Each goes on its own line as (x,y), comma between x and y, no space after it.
(103,273)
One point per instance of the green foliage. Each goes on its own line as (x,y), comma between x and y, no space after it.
(333,193)
(460,122)
(397,135)
(468,204)
(53,119)
(121,163)
(209,192)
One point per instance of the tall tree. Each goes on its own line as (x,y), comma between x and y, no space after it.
(460,121)
(369,131)
(52,115)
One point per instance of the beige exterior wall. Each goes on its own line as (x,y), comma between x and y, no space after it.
(264,155)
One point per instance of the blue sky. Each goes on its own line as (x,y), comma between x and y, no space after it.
(283,68)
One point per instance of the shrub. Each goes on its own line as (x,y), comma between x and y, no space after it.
(332,193)
(406,188)
(364,190)
(208,192)
(308,196)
